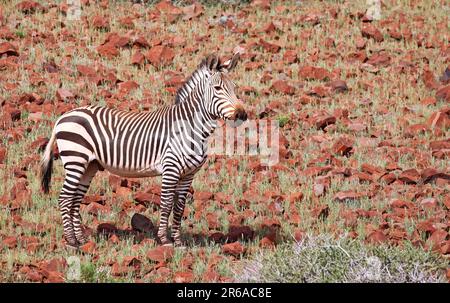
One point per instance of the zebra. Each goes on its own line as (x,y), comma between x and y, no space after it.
(170,142)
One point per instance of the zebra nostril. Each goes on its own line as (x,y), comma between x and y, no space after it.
(240,114)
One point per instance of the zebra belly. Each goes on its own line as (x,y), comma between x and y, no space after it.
(155,170)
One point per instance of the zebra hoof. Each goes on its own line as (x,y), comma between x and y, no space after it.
(72,246)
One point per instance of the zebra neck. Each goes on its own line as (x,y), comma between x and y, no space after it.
(184,93)
(195,111)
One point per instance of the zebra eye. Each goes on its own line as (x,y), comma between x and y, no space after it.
(217,87)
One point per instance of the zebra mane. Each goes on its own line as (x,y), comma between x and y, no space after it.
(185,90)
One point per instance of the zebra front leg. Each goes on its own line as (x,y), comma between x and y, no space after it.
(169,183)
(69,195)
(178,208)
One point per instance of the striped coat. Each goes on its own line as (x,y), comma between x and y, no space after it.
(170,142)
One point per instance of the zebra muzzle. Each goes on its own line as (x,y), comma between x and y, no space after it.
(240,114)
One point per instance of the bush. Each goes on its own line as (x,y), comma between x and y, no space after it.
(324,259)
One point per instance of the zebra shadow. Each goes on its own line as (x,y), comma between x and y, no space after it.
(143,228)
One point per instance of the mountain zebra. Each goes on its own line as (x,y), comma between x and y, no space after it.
(170,141)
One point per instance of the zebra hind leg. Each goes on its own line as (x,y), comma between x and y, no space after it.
(67,196)
(83,187)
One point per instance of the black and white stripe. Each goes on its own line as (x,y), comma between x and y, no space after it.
(170,141)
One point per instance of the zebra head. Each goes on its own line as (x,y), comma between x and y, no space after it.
(220,97)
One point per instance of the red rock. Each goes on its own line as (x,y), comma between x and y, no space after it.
(10,242)
(371,169)
(429,79)
(213,221)
(426,226)
(234,249)
(338,86)
(416,129)
(379,59)
(128,86)
(343,146)
(108,50)
(29,7)
(119,270)
(203,195)
(39,143)
(64,94)
(397,203)
(347,195)
(376,237)
(410,176)
(283,87)
(266,242)
(236,233)
(100,22)
(85,70)
(217,237)
(270,47)
(295,197)
(323,121)
(88,247)
(440,144)
(320,212)
(445,250)
(313,73)
(127,22)
(360,43)
(436,239)
(430,174)
(146,198)
(183,277)
(192,11)
(132,261)
(167,7)
(428,101)
(428,203)
(446,201)
(137,58)
(440,119)
(94,208)
(319,91)
(210,275)
(443,94)
(123,192)
(34,276)
(290,56)
(370,31)
(160,55)
(106,228)
(8,49)
(160,253)
(141,223)
(2,155)
(54,277)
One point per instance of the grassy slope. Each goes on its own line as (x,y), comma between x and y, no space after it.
(394,102)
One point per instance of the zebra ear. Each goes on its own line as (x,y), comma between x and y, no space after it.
(212,62)
(231,63)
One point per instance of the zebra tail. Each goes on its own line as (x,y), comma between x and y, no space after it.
(47,165)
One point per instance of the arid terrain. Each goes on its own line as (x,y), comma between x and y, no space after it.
(362,102)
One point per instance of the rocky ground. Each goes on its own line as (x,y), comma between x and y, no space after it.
(363,109)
